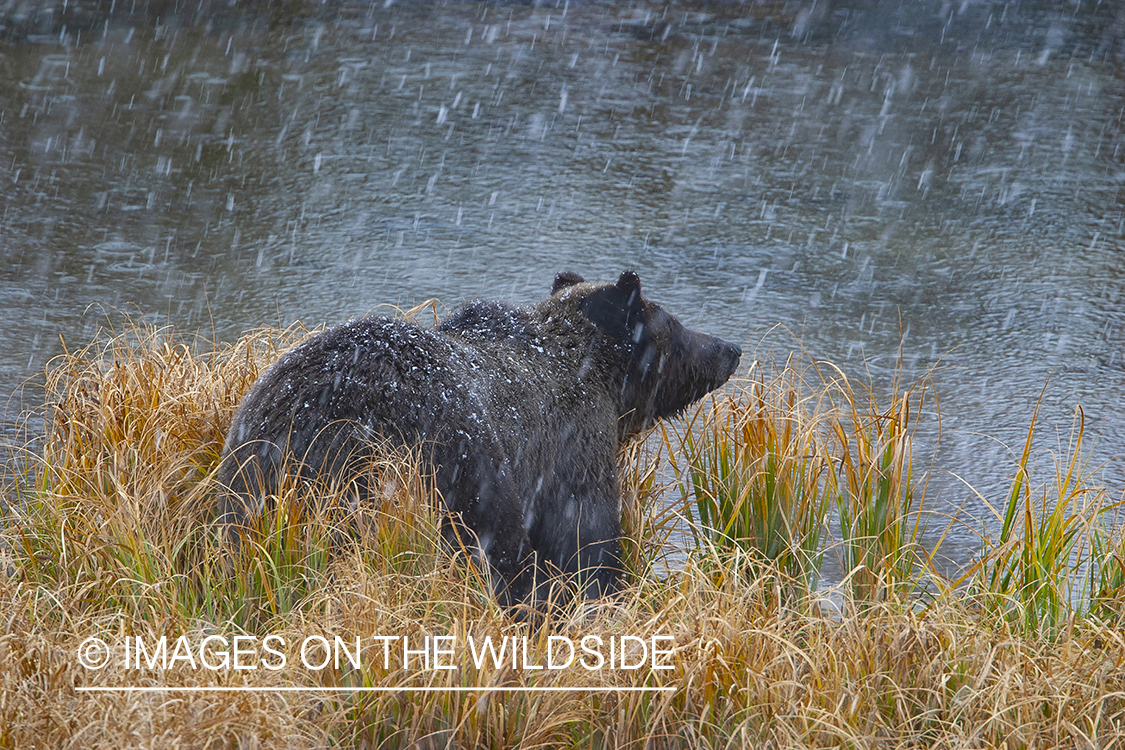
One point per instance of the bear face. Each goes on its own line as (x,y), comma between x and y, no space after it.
(664,367)
(520,411)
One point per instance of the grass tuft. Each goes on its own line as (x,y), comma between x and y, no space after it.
(1030,576)
(114,504)
(873,487)
(753,466)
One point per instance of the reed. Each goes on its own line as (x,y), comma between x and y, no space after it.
(649,526)
(762,466)
(753,467)
(1106,573)
(1030,577)
(872,484)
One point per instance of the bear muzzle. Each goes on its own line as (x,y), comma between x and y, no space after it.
(730,355)
(713,359)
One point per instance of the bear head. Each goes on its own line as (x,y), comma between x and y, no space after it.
(657,366)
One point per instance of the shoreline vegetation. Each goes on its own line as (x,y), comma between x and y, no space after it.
(108,534)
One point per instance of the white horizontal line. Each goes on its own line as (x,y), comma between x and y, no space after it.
(456,689)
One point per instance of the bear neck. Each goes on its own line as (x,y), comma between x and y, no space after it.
(598,362)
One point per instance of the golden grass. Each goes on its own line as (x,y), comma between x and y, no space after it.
(873,486)
(756,469)
(109,536)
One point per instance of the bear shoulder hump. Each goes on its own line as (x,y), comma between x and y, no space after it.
(487,320)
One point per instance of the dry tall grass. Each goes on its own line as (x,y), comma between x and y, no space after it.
(109,536)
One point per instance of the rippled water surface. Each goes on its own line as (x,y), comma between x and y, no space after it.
(901,185)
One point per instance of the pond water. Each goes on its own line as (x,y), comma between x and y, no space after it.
(902,186)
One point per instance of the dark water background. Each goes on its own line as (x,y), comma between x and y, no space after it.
(940,177)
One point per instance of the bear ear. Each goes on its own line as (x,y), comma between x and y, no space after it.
(616,309)
(629,284)
(564,280)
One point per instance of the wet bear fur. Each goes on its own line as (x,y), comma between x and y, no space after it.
(520,411)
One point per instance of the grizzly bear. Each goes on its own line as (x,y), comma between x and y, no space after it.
(520,412)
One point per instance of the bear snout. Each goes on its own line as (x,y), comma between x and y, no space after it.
(729,355)
(718,358)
